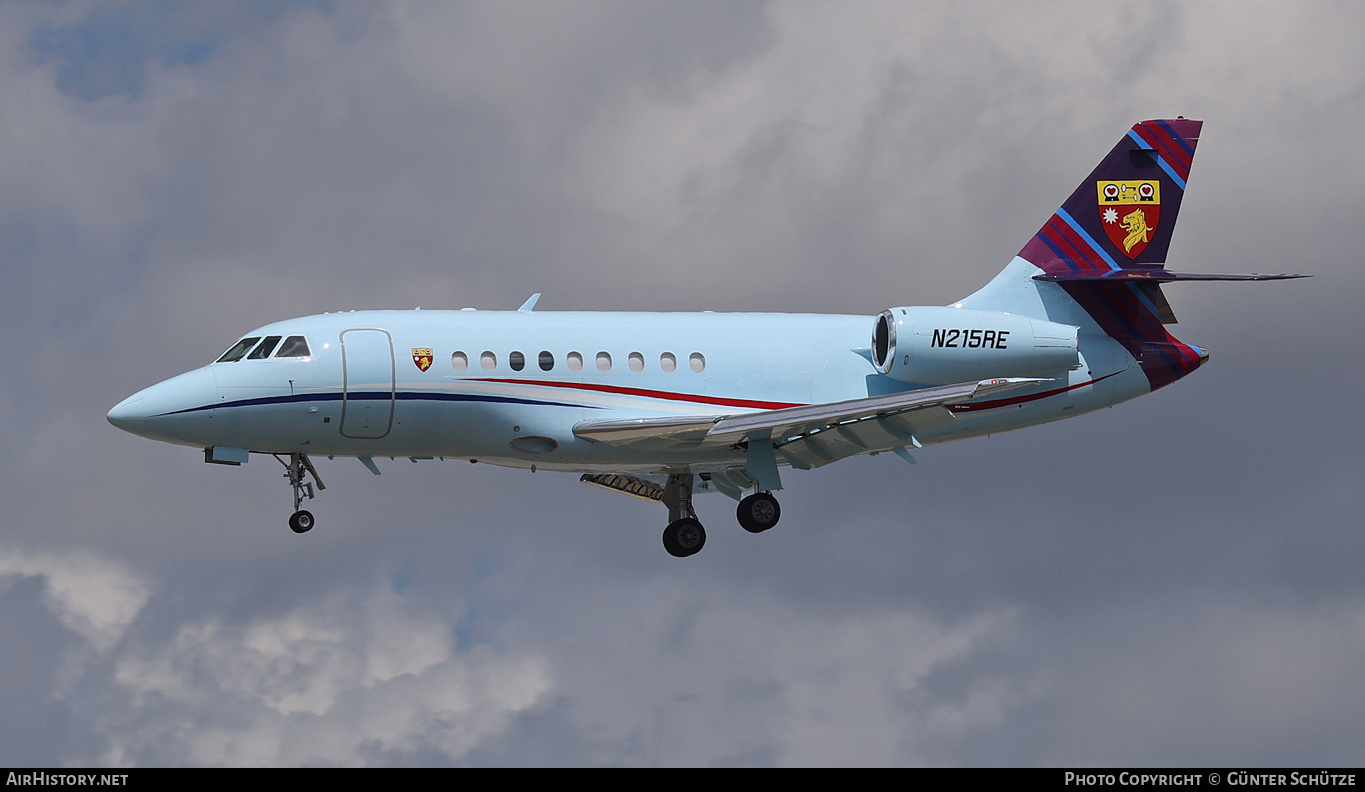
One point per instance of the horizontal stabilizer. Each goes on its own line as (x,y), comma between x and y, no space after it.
(1157,275)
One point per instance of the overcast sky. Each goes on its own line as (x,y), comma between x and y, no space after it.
(1173,581)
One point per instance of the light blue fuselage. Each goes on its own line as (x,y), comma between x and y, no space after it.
(362,391)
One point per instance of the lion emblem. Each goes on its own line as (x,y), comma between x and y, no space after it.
(1135,223)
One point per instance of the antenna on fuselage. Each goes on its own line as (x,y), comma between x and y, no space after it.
(530,304)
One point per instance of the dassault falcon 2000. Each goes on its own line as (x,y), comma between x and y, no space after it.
(662,405)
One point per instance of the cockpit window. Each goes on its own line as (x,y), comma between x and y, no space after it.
(294,346)
(263,351)
(238,350)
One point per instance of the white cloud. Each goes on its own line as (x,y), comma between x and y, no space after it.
(96,597)
(331,681)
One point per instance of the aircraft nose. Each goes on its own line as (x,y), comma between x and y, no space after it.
(128,414)
(169,410)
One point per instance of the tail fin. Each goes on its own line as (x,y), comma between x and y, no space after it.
(1121,216)
(1106,245)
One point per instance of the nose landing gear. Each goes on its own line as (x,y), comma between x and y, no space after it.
(301,521)
(297,469)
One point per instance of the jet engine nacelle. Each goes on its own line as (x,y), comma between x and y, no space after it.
(939,346)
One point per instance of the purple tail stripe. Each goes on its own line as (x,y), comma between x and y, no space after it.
(1074,242)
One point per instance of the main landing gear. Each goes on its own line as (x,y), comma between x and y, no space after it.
(297,469)
(685,535)
(758,512)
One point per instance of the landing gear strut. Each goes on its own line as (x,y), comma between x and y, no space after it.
(297,469)
(684,535)
(758,512)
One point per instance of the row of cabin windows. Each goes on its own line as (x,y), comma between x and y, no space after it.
(293,346)
(488,361)
(256,348)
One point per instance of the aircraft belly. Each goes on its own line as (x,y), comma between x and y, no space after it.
(496,434)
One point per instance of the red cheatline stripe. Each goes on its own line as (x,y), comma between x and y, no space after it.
(650,394)
(990,405)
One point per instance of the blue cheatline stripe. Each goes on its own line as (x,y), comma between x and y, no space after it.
(1075,226)
(380,396)
(1160,160)
(476,397)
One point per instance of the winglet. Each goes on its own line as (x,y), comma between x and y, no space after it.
(530,304)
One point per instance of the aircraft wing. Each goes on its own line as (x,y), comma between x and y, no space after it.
(810,435)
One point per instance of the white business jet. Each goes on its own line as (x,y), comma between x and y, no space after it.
(662,405)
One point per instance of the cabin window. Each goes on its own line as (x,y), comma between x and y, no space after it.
(546,360)
(516,360)
(636,361)
(574,361)
(488,360)
(603,361)
(697,362)
(238,350)
(294,346)
(459,361)
(668,362)
(263,351)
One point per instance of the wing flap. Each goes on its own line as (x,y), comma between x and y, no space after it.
(878,433)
